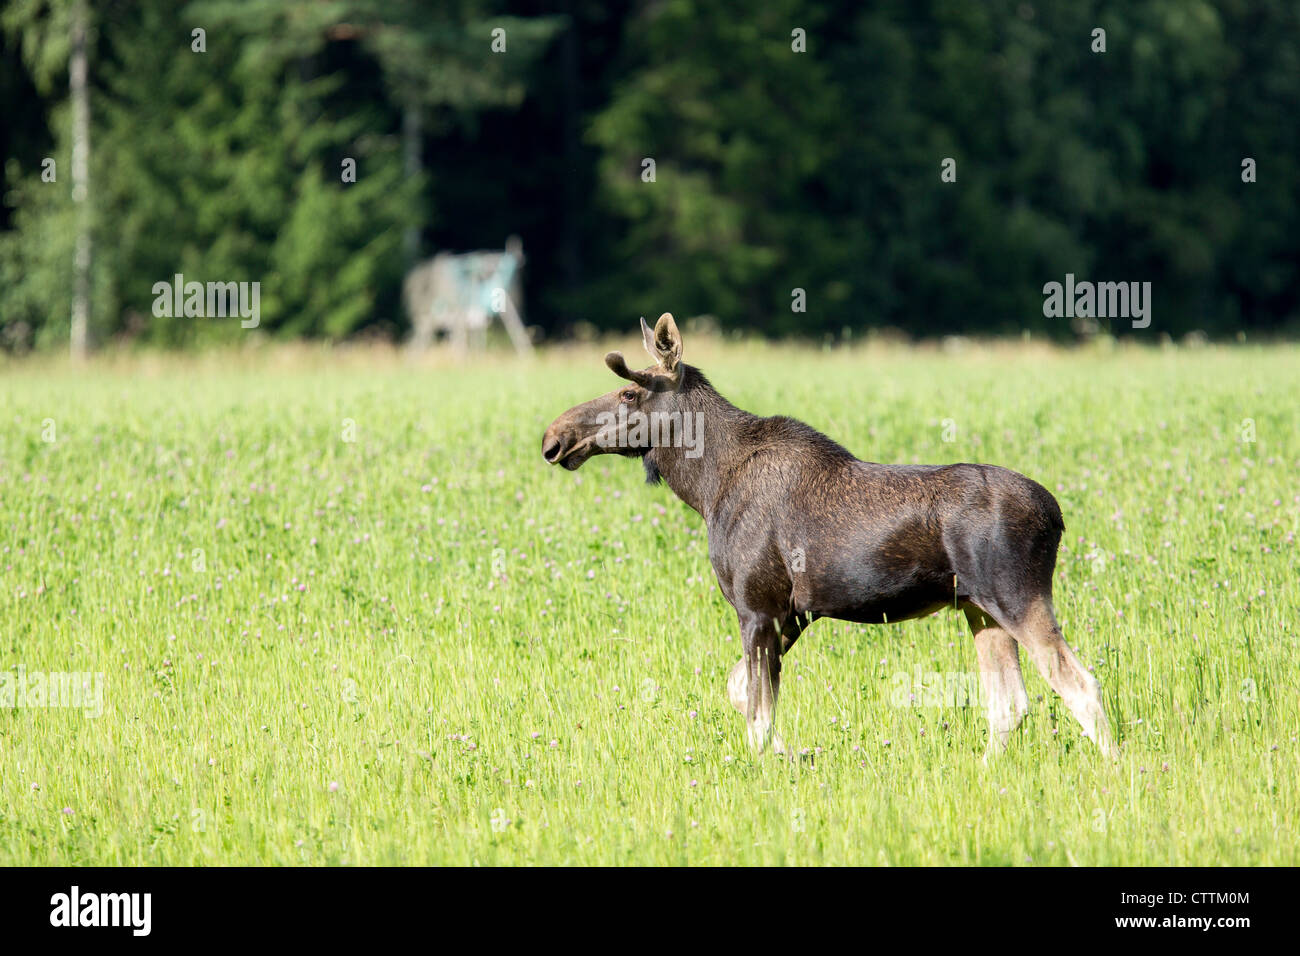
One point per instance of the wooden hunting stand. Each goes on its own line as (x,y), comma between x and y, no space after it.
(459,294)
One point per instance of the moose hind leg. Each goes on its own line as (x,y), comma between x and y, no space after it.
(1004,687)
(1041,636)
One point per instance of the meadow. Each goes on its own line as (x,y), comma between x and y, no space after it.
(345,614)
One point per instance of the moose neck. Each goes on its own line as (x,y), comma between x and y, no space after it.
(699,476)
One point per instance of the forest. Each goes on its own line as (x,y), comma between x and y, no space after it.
(783,169)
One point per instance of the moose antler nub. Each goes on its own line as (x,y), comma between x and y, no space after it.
(616,364)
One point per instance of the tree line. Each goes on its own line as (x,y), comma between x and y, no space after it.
(783,168)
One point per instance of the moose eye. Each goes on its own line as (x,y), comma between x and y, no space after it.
(628,395)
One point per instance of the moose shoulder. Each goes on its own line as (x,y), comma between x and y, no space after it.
(799,529)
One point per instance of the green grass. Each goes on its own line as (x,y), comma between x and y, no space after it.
(426,646)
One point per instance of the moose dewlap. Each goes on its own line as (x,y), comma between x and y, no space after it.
(801,529)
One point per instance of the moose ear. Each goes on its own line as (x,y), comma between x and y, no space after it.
(667,342)
(648,339)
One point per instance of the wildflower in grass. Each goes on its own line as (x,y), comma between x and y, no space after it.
(334,786)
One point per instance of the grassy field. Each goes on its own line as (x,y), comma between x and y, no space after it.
(345,614)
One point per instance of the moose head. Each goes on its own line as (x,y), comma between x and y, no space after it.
(630,420)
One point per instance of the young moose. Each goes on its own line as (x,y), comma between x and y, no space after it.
(800,529)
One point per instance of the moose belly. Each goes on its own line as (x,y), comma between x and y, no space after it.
(887,611)
(867,594)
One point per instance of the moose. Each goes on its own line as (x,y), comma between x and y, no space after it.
(800,529)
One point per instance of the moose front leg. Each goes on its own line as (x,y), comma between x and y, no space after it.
(738,678)
(755,681)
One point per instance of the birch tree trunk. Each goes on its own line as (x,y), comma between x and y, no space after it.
(411,133)
(77,71)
